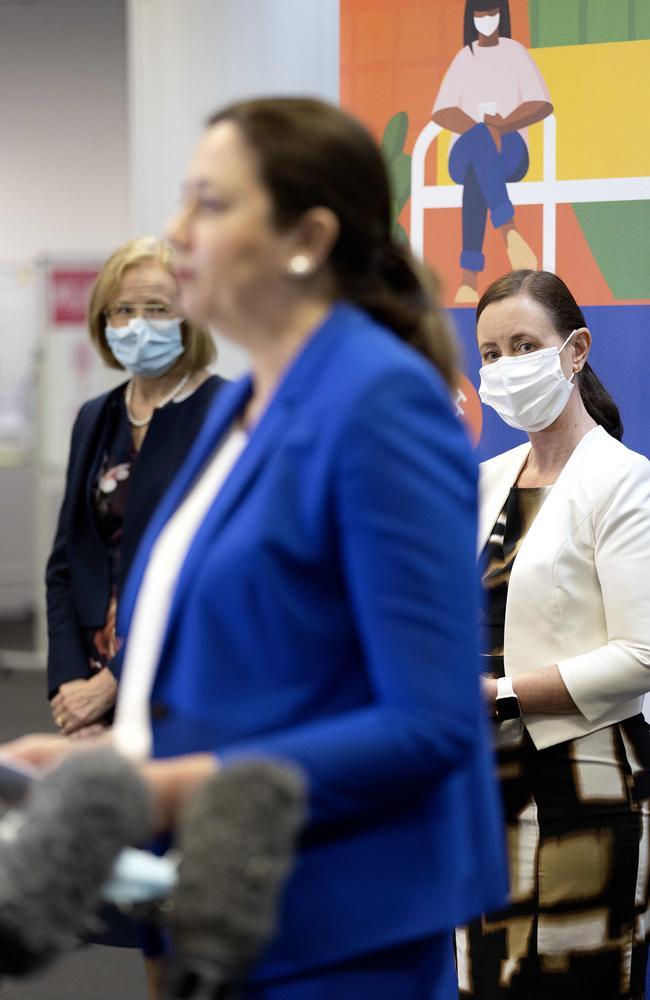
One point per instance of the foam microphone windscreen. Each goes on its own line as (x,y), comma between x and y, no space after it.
(236,837)
(57,852)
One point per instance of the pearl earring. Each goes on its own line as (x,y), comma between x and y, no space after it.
(299,265)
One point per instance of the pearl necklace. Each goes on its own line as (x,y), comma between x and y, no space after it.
(128,393)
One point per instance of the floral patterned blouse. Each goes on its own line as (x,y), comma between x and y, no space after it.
(110,497)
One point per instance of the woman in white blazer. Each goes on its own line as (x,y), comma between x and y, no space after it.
(565,565)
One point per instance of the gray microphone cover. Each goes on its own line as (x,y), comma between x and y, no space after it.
(56,854)
(236,836)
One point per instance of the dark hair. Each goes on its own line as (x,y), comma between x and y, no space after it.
(313,154)
(470,34)
(552,294)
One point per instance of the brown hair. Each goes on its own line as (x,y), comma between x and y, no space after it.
(313,154)
(200,350)
(552,294)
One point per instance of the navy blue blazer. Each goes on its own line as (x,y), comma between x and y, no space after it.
(326,614)
(78,573)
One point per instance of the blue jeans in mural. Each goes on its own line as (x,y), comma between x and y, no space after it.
(475,163)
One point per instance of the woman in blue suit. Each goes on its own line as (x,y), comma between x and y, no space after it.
(306,590)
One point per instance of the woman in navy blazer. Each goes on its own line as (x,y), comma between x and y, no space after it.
(107,502)
(306,589)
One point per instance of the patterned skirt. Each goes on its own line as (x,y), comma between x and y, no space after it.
(577,818)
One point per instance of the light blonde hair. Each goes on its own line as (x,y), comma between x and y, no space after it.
(200,350)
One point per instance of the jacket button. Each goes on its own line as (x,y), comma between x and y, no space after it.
(159,710)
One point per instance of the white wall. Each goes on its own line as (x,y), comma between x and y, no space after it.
(63,108)
(63,192)
(187,58)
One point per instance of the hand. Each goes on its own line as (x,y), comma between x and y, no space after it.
(494,125)
(489,689)
(45,750)
(173,779)
(94,729)
(80,703)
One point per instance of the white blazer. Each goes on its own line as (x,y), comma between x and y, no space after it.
(579,591)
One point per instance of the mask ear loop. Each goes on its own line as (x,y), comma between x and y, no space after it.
(562,348)
(567,341)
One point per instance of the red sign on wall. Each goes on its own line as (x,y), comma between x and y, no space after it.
(69,293)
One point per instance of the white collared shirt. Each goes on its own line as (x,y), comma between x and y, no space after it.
(132,726)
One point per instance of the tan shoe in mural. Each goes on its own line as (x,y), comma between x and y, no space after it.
(520,255)
(466,296)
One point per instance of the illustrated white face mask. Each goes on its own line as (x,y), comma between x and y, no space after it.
(528,392)
(487,24)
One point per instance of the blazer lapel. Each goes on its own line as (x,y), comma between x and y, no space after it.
(496,478)
(222,414)
(91,452)
(262,444)
(543,532)
(227,405)
(298,383)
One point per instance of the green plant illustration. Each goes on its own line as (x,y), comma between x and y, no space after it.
(399,168)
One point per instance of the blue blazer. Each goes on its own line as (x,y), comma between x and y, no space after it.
(326,614)
(78,578)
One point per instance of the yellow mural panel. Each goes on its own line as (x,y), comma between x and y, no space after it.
(442,158)
(600,95)
(535,151)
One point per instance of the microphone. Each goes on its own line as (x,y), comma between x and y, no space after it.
(236,838)
(57,852)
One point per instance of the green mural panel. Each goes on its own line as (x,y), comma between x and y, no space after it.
(618,234)
(607,21)
(641,18)
(579,22)
(533,21)
(554,22)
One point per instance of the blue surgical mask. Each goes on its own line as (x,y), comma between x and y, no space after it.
(146,346)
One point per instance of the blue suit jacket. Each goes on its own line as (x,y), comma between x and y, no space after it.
(78,576)
(326,614)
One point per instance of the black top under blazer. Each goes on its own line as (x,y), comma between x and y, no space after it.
(78,579)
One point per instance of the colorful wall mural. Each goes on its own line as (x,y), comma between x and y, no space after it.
(576,172)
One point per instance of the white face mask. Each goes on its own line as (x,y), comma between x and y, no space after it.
(487,24)
(528,392)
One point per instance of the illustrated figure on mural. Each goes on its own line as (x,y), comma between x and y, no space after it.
(490,93)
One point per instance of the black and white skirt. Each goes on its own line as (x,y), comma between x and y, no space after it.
(577,819)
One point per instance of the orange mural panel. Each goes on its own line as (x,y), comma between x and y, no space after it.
(375,35)
(417,27)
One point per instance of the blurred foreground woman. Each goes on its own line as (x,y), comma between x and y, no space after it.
(307,588)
